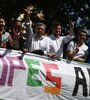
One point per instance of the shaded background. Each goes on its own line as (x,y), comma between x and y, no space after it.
(60,10)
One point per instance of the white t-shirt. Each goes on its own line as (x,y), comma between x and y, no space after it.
(58,43)
(83,49)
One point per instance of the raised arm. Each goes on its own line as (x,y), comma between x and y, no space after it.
(71,31)
(29,30)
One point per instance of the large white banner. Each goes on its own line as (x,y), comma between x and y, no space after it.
(32,77)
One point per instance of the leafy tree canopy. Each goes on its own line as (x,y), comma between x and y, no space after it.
(50,10)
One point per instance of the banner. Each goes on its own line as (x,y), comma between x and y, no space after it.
(33,77)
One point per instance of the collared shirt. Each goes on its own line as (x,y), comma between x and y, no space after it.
(58,43)
(35,43)
(39,44)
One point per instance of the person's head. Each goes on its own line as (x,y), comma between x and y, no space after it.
(81,36)
(2,23)
(18,25)
(56,28)
(40,29)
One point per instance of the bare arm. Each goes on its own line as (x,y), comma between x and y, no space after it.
(81,59)
(71,56)
(71,31)
(71,53)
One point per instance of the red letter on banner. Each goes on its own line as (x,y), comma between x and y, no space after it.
(54,79)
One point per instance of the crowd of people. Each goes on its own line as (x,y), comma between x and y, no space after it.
(34,40)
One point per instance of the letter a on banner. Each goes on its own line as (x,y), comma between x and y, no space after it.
(80,81)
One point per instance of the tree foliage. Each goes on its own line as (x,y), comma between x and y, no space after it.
(60,10)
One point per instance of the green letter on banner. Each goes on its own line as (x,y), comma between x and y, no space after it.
(31,72)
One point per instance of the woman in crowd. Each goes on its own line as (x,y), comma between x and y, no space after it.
(77,50)
(5,37)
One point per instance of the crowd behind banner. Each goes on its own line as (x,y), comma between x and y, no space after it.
(25,38)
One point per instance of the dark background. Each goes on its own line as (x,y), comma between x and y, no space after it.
(60,10)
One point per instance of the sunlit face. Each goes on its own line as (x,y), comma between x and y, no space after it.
(57,30)
(40,30)
(82,37)
(2,23)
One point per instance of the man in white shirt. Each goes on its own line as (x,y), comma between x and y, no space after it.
(36,41)
(58,41)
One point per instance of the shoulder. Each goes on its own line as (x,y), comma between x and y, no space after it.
(85,47)
(72,43)
(51,36)
(6,34)
(47,38)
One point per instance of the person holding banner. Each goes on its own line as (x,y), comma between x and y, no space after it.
(5,37)
(58,41)
(77,50)
(36,42)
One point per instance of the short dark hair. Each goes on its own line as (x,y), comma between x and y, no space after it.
(55,23)
(82,31)
(40,24)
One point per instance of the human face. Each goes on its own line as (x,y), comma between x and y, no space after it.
(18,25)
(57,30)
(40,30)
(82,37)
(2,23)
